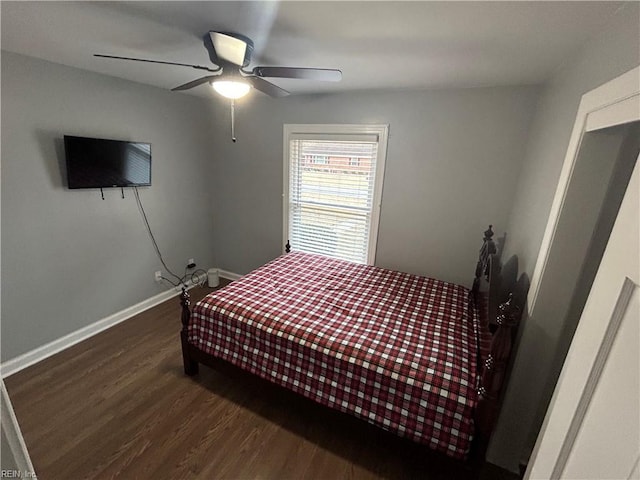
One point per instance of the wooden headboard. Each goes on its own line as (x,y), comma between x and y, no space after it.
(500,305)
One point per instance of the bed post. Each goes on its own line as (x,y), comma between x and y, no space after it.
(190,365)
(488,248)
(494,370)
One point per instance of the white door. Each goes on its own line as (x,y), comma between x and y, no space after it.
(592,428)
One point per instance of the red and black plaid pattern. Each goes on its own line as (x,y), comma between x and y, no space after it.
(394,349)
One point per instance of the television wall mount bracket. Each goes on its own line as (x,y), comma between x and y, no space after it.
(102,192)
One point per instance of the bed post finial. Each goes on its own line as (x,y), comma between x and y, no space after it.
(488,248)
(287,247)
(488,234)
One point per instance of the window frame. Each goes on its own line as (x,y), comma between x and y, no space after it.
(337,130)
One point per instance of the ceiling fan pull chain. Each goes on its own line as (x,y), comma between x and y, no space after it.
(233,120)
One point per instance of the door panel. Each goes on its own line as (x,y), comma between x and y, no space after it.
(592,426)
(612,415)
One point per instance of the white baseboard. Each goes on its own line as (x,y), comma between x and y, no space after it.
(38,354)
(229,275)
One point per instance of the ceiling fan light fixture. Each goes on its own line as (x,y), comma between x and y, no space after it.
(232,89)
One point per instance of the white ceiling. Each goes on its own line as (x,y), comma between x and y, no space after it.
(377,45)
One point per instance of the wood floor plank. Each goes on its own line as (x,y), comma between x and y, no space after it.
(118,405)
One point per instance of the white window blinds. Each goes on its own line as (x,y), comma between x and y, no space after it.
(333,193)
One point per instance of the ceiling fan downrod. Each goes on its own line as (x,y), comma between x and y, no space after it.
(233,120)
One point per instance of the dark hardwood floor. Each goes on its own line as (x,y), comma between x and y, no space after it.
(118,405)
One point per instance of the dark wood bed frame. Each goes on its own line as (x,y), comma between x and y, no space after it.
(500,312)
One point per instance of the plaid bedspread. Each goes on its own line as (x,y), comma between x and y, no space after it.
(397,350)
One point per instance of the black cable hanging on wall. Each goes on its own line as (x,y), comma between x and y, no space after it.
(153,239)
(193,276)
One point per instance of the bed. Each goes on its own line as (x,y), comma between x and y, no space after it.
(410,354)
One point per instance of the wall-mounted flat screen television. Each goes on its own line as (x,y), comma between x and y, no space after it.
(102,163)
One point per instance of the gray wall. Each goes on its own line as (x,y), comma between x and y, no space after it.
(452,163)
(68,257)
(613,52)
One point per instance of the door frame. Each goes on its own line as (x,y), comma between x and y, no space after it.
(11,429)
(616,102)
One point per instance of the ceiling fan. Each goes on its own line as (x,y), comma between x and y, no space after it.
(231,54)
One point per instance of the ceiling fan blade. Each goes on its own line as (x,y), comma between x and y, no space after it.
(199,67)
(266,87)
(195,83)
(321,74)
(228,47)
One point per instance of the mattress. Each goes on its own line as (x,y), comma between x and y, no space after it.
(397,350)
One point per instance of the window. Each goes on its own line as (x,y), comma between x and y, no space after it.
(332,206)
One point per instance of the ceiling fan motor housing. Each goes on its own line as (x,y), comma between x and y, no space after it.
(227,48)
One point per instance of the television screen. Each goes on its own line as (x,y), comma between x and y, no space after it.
(100,163)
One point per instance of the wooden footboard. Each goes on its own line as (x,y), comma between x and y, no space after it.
(192,356)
